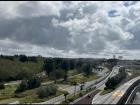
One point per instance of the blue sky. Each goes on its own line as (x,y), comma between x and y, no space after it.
(70,28)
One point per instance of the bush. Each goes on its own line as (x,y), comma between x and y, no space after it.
(115,80)
(105,88)
(81,94)
(47,91)
(57,74)
(71,99)
(22,86)
(34,82)
(2,86)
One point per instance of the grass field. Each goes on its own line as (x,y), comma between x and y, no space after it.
(82,78)
(29,96)
(72,72)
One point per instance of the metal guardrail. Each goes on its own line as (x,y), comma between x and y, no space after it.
(132,95)
(124,98)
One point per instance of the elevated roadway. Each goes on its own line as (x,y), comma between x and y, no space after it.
(124,94)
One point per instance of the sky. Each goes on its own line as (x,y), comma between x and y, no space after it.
(93,29)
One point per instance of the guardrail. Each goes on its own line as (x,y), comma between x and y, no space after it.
(124,98)
(132,95)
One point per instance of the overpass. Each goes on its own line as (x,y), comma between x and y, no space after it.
(124,94)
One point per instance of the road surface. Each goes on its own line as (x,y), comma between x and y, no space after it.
(87,100)
(116,95)
(100,98)
(137,98)
(100,85)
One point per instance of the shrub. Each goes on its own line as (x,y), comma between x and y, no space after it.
(2,86)
(71,99)
(115,80)
(105,88)
(34,82)
(81,94)
(22,86)
(44,92)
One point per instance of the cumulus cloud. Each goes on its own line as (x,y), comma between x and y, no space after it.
(70,28)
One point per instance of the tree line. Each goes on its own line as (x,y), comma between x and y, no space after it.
(55,68)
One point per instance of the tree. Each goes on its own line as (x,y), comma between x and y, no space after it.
(23,58)
(46,91)
(79,66)
(22,86)
(2,86)
(57,62)
(48,66)
(57,74)
(115,80)
(33,59)
(65,67)
(34,82)
(87,69)
(72,64)
(74,83)
(82,86)
(65,95)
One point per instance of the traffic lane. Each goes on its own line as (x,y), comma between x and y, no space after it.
(137,98)
(87,99)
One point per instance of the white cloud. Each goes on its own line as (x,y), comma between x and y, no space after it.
(75,28)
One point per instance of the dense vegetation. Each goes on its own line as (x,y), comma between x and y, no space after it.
(115,80)
(11,68)
(2,86)
(33,82)
(21,67)
(46,91)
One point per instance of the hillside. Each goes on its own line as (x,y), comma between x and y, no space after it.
(15,69)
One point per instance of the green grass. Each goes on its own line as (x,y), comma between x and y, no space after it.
(30,96)
(7,95)
(7,92)
(72,72)
(82,78)
(106,91)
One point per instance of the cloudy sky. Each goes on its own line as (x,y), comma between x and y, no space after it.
(70,28)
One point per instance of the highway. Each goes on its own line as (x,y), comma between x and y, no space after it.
(116,96)
(137,98)
(102,98)
(99,85)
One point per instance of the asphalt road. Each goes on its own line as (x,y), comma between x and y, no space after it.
(116,95)
(100,85)
(102,98)
(87,100)
(137,98)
